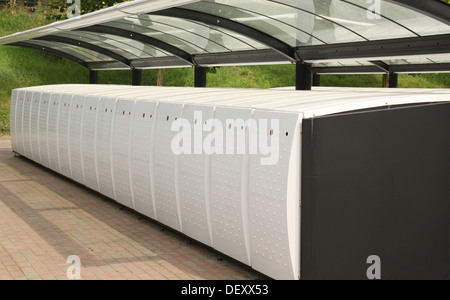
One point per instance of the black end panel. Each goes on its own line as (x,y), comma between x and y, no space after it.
(377,183)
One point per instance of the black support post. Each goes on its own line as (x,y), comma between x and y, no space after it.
(316,79)
(303,80)
(137,77)
(93,77)
(200,76)
(393,80)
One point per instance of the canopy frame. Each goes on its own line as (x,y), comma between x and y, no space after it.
(358,52)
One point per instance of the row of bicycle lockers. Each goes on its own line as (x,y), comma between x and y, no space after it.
(222,166)
(122,144)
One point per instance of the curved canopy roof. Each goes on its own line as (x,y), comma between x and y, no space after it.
(335,36)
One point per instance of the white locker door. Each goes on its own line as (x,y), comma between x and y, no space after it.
(34,127)
(75,151)
(121,152)
(141,165)
(43,123)
(104,134)
(63,134)
(195,177)
(26,124)
(167,204)
(275,196)
(229,182)
(12,119)
(88,135)
(52,134)
(19,120)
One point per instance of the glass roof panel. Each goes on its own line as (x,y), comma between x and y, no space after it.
(357,19)
(295,22)
(81,53)
(233,41)
(126,47)
(242,38)
(206,39)
(84,36)
(167,35)
(296,27)
(437,59)
(349,63)
(413,20)
(182,29)
(312,22)
(441,60)
(329,64)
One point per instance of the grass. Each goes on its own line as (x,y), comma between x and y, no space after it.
(25,67)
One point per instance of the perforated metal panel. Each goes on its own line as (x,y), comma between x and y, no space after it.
(75,150)
(121,152)
(104,134)
(12,119)
(195,174)
(229,198)
(88,142)
(274,196)
(141,152)
(52,132)
(165,161)
(19,125)
(34,126)
(26,123)
(43,123)
(63,134)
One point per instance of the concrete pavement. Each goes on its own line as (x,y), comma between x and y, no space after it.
(45,218)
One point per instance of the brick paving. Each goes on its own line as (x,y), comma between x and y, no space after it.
(44,219)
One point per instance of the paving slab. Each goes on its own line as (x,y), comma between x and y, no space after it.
(45,219)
